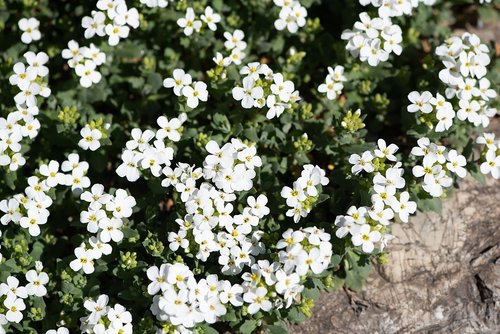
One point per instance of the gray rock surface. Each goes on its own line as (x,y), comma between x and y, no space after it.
(443,275)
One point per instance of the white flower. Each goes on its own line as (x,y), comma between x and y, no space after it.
(28,94)
(385,151)
(97,308)
(366,238)
(73,163)
(491,165)
(115,33)
(248,93)
(36,283)
(420,102)
(110,230)
(83,261)
(168,129)
(189,23)
(445,118)
(140,140)
(126,16)
(22,76)
(158,278)
(468,110)
(121,205)
(361,163)
(485,91)
(210,18)
(456,163)
(90,138)
(87,73)
(195,94)
(403,206)
(235,40)
(12,288)
(10,208)
(293,195)
(236,56)
(257,300)
(282,88)
(14,307)
(30,28)
(94,53)
(178,82)
(372,53)
(306,261)
(178,240)
(36,62)
(331,88)
(258,205)
(129,167)
(52,174)
(94,25)
(33,221)
(487,139)
(155,3)
(73,52)
(60,330)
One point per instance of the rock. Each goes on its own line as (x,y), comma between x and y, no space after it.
(443,275)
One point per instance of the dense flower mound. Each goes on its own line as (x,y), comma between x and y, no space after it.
(186,166)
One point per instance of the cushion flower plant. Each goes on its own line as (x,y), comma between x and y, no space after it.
(202,166)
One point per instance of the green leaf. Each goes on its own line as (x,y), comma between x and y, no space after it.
(276,329)
(248,326)
(359,268)
(208,330)
(251,134)
(296,316)
(155,81)
(221,122)
(430,204)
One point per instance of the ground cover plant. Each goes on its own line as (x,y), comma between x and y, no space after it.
(203,166)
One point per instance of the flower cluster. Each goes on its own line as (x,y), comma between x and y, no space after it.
(209,208)
(105,216)
(292,15)
(490,154)
(31,30)
(304,192)
(183,85)
(183,301)
(367,226)
(437,165)
(85,60)
(235,45)
(261,87)
(391,8)
(212,238)
(113,19)
(140,154)
(30,209)
(333,85)
(13,295)
(23,123)
(104,318)
(155,3)
(466,59)
(373,40)
(191,24)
